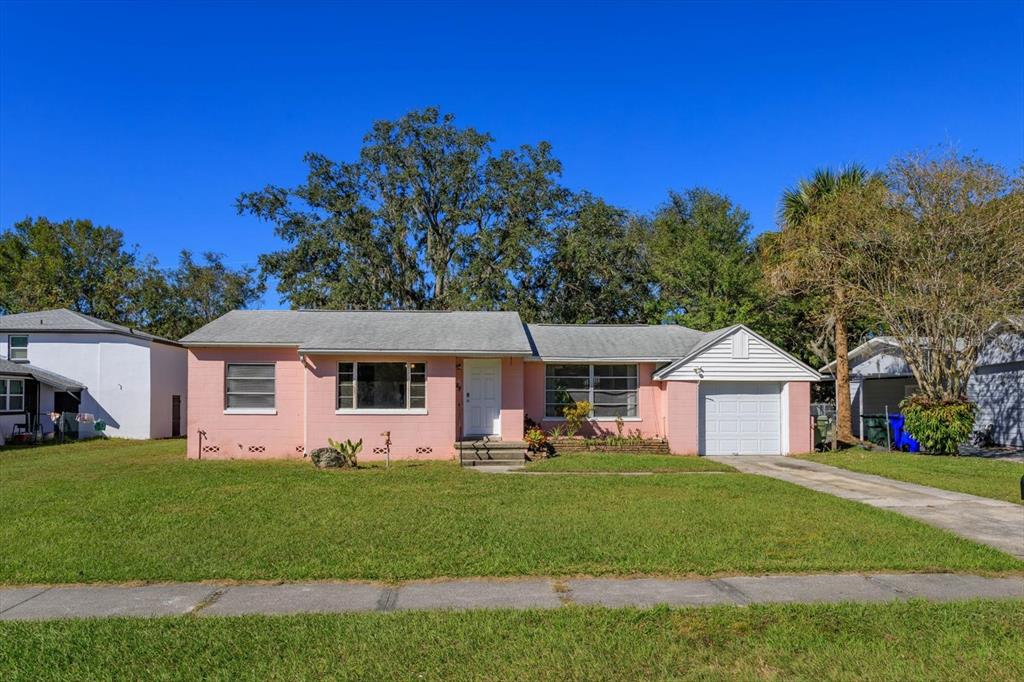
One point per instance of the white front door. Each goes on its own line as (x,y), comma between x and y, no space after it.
(481,397)
(741,418)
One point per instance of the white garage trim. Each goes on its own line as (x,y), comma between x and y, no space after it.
(743,418)
(784,415)
(751,358)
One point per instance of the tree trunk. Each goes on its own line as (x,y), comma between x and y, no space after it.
(844,418)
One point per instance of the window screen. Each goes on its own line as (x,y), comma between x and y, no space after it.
(249,386)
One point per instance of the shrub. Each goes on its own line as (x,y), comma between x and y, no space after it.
(537,442)
(575,415)
(536,438)
(939,426)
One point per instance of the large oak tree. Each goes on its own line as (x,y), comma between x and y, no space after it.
(428,216)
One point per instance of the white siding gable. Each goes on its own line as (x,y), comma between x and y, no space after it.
(724,361)
(887,361)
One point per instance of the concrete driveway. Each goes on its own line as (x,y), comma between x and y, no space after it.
(991,522)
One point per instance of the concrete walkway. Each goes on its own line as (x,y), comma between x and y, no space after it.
(991,522)
(207,599)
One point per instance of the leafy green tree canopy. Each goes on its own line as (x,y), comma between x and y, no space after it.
(76,265)
(596,268)
(704,261)
(428,216)
(71,264)
(175,302)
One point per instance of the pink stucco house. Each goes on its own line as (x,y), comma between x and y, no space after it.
(265,384)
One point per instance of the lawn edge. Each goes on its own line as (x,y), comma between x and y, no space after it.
(233,582)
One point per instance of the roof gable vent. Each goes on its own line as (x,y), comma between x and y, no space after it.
(740,345)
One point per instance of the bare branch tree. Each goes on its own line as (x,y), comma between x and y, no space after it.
(940,260)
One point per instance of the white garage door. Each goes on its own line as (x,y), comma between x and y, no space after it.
(741,419)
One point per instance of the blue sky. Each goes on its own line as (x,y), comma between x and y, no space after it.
(152,118)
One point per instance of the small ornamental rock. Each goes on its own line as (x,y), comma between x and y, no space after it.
(327,458)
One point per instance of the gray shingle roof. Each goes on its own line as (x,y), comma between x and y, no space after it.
(23,369)
(656,343)
(64,320)
(435,332)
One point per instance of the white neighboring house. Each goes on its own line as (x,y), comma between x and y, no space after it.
(64,361)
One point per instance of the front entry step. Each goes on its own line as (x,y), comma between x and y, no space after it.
(490,452)
(493,462)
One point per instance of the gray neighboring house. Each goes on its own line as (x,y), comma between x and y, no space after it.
(880,378)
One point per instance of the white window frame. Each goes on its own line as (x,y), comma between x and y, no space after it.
(10,348)
(379,410)
(6,394)
(249,410)
(590,390)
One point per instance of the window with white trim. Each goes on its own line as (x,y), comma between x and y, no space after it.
(249,386)
(382,385)
(610,389)
(17,348)
(12,395)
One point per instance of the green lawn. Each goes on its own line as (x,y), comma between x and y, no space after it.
(900,641)
(119,511)
(618,462)
(984,477)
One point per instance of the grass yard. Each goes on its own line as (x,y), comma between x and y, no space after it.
(118,511)
(974,475)
(625,463)
(900,641)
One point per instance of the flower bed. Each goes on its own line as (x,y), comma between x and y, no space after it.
(645,445)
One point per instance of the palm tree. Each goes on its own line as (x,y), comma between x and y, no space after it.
(807,265)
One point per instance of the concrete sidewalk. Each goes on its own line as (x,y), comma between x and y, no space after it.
(47,603)
(994,523)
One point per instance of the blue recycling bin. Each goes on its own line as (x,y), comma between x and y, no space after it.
(901,439)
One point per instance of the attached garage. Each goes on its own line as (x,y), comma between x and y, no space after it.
(737,394)
(741,418)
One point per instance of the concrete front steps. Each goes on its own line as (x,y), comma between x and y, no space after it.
(491,452)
